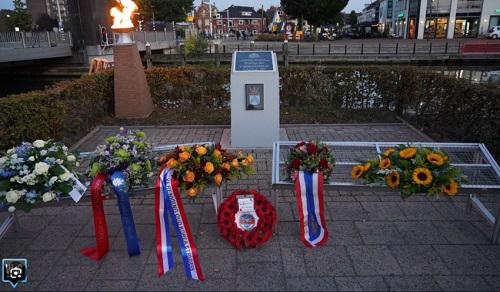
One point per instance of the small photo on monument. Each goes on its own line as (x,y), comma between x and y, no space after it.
(254,96)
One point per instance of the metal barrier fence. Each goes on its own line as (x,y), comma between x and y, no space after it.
(142,36)
(39,39)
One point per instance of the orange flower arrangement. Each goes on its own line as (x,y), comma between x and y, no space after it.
(201,165)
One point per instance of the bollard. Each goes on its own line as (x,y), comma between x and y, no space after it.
(329,49)
(252,45)
(217,55)
(149,62)
(285,53)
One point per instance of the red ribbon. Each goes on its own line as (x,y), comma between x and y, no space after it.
(100,225)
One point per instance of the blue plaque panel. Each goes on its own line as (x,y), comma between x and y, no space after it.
(254,61)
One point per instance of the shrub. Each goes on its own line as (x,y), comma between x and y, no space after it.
(266,37)
(194,46)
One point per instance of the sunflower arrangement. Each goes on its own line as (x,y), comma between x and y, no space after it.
(310,156)
(412,170)
(198,166)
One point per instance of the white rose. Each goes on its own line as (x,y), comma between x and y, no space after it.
(11,150)
(65,176)
(11,209)
(43,152)
(59,161)
(14,196)
(77,164)
(3,160)
(48,196)
(31,158)
(39,143)
(14,156)
(71,158)
(52,180)
(41,168)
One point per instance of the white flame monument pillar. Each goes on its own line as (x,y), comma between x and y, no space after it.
(255,100)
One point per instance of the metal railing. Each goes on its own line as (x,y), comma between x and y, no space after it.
(141,36)
(39,39)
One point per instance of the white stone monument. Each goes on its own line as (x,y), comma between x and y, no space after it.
(255,100)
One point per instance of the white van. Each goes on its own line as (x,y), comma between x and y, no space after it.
(493,33)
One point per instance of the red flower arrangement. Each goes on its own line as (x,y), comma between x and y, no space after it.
(312,156)
(246,239)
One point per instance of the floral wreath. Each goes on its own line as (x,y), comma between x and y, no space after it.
(246,239)
(310,156)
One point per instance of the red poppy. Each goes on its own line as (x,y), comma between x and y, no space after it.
(312,148)
(323,164)
(296,163)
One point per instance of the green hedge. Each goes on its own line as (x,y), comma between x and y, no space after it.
(443,107)
(66,111)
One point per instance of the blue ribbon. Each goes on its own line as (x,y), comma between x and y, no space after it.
(118,181)
(312,221)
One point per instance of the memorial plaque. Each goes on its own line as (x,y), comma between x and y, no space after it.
(254,61)
(254,96)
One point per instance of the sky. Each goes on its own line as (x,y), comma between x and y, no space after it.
(221,4)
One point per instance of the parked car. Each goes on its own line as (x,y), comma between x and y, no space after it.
(493,33)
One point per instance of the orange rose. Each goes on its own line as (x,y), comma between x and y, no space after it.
(192,192)
(235,163)
(218,179)
(171,163)
(201,150)
(188,176)
(184,156)
(226,166)
(250,159)
(217,154)
(245,162)
(209,167)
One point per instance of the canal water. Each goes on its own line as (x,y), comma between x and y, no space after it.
(20,84)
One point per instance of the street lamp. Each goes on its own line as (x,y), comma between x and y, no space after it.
(60,22)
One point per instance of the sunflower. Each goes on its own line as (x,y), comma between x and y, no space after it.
(388,152)
(384,163)
(451,189)
(357,171)
(422,176)
(408,153)
(435,159)
(392,180)
(367,166)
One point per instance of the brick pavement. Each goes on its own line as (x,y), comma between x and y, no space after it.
(377,241)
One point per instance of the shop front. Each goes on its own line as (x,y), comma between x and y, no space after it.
(436,28)
(466,27)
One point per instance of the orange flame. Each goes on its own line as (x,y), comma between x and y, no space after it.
(123,18)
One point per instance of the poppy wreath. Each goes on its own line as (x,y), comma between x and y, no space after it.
(246,239)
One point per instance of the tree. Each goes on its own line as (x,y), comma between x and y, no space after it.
(353,18)
(316,12)
(45,22)
(19,18)
(166,10)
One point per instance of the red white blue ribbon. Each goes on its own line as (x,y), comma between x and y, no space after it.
(168,203)
(310,204)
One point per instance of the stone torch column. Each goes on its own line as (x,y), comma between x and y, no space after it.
(132,94)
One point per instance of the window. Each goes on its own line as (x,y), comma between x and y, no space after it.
(246,13)
(254,21)
(217,16)
(241,22)
(231,23)
(219,22)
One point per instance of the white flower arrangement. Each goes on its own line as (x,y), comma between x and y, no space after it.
(36,172)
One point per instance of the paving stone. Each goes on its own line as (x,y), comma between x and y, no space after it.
(218,263)
(383,211)
(460,232)
(111,285)
(72,255)
(114,226)
(420,211)
(346,211)
(419,260)
(494,282)
(285,212)
(145,233)
(269,252)
(173,280)
(465,260)
(144,214)
(40,263)
(211,285)
(117,265)
(73,216)
(28,286)
(328,261)
(373,260)
(29,226)
(208,237)
(290,241)
(311,284)
(492,252)
(55,237)
(293,261)
(379,233)
(13,247)
(462,283)
(420,232)
(360,284)
(68,278)
(343,233)
(208,214)
(260,277)
(411,283)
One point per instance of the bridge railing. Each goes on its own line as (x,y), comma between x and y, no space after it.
(39,39)
(141,36)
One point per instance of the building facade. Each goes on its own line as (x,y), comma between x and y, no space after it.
(204,19)
(53,8)
(430,19)
(237,19)
(369,18)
